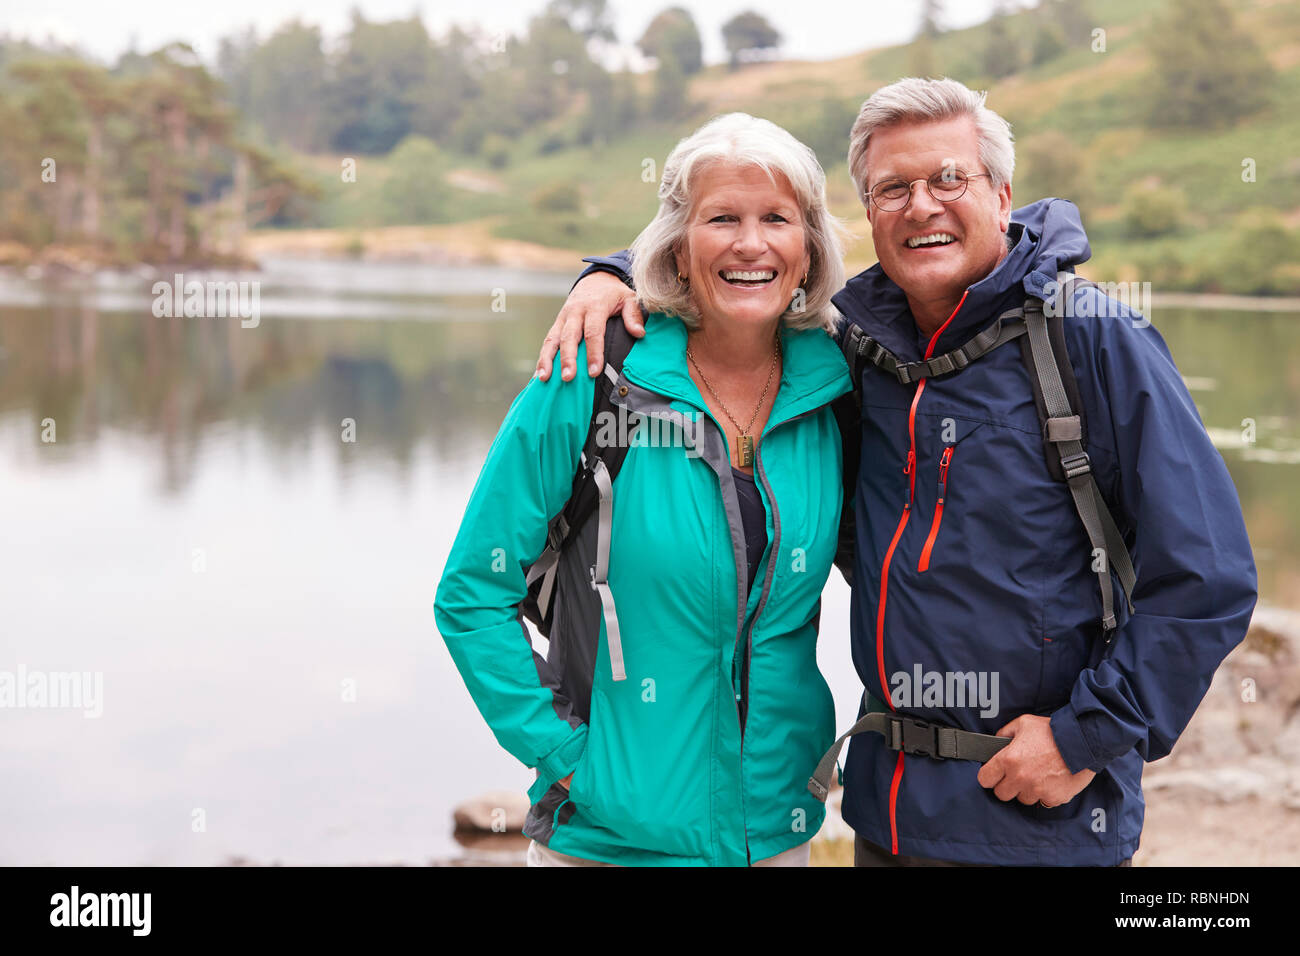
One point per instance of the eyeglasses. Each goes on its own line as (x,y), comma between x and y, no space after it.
(947,185)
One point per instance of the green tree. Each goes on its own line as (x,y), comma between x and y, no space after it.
(148,164)
(748,31)
(668,101)
(1049,40)
(674,29)
(1073,18)
(931,18)
(454,87)
(1208,71)
(50,126)
(288,76)
(921,58)
(1152,210)
(234,54)
(1001,52)
(826,129)
(547,69)
(381,71)
(1051,164)
(1259,258)
(415,190)
(591,18)
(624,103)
(612,107)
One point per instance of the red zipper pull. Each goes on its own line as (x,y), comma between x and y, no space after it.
(924,563)
(911,462)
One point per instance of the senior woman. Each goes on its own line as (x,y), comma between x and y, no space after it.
(698,749)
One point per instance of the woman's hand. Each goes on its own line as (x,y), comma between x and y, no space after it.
(585,312)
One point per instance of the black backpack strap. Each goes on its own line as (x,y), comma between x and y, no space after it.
(1056,394)
(854,343)
(860,350)
(908,735)
(1007,327)
(592,492)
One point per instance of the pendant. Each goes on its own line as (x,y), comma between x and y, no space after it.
(745,450)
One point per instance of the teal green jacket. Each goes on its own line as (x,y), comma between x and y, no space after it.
(663,773)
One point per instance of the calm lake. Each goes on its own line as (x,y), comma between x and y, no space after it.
(257,592)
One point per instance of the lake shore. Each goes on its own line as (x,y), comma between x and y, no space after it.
(472,243)
(464,244)
(455,244)
(1228,794)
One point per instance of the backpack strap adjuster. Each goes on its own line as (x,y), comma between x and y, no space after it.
(1076,465)
(557,533)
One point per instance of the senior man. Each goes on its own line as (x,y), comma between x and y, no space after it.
(1049,522)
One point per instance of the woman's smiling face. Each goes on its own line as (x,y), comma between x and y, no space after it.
(744,252)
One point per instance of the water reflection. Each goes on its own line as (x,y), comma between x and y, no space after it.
(201,533)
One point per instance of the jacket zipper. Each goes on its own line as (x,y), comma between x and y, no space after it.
(909,469)
(773,549)
(944,460)
(745,636)
(745,648)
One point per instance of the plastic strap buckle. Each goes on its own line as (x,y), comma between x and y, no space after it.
(915,737)
(1076,465)
(940,365)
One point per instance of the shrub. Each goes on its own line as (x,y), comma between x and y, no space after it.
(558,197)
(1154,210)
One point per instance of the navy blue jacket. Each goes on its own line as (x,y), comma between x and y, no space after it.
(998,582)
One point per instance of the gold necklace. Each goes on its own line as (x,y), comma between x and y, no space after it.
(744,441)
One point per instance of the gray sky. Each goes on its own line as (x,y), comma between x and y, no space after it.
(814,29)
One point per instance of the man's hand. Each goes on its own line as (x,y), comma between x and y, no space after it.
(1030,768)
(585,312)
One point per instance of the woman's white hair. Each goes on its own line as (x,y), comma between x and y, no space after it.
(915,99)
(741,139)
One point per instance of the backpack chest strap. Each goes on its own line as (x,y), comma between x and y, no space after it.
(1009,325)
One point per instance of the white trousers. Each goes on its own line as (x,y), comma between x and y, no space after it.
(539,855)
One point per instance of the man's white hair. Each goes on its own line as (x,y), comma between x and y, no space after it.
(915,99)
(743,140)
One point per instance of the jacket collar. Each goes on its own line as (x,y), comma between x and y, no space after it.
(813,370)
(1044,238)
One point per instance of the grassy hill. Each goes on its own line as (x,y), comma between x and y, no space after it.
(1081,126)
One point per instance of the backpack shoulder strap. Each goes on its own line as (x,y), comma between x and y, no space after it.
(860,350)
(854,343)
(583,494)
(847,409)
(1056,394)
(592,492)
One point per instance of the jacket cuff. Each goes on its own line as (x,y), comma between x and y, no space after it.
(560,762)
(611,264)
(1071,742)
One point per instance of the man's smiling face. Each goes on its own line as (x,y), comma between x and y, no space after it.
(971,230)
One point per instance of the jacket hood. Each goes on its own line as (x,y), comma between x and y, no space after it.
(1045,237)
